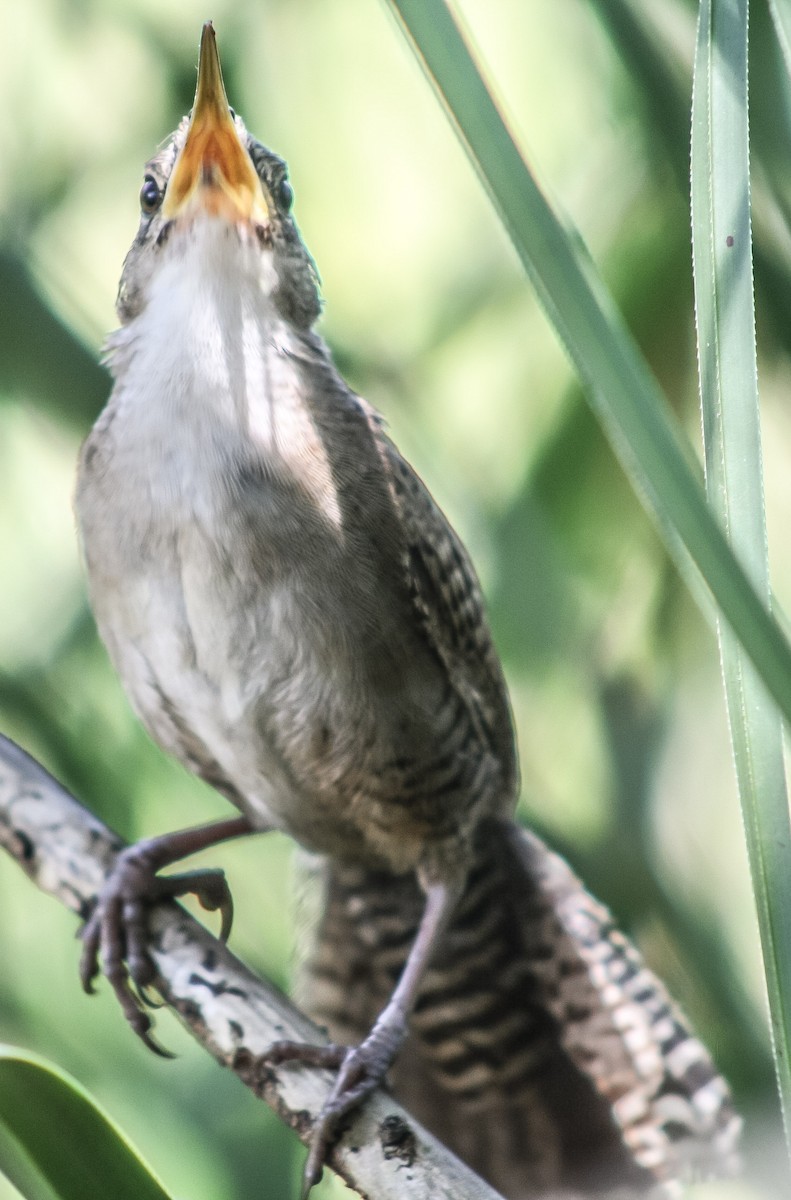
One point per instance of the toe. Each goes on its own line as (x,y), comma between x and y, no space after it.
(314,1167)
(331,1057)
(89,958)
(138,958)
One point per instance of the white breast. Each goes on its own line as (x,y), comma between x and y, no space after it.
(206,371)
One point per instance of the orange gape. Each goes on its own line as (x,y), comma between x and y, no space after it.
(213,170)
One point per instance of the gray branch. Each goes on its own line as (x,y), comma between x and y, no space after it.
(234,1015)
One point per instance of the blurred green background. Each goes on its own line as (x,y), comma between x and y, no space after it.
(613,674)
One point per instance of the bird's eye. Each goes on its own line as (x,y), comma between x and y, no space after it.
(285,195)
(150,195)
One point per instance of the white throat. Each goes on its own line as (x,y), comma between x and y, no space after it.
(208,323)
(206,373)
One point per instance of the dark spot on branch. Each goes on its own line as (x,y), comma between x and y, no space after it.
(729,240)
(27,851)
(217,989)
(302,1121)
(189,1010)
(253,1070)
(398,1140)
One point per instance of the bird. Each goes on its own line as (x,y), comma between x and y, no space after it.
(295,620)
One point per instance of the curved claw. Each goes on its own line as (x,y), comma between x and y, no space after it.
(363,1069)
(156,1047)
(211,889)
(311,1175)
(360,1070)
(146,1000)
(89,957)
(115,936)
(215,896)
(328,1057)
(226,920)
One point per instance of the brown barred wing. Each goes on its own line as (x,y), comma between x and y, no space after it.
(447,596)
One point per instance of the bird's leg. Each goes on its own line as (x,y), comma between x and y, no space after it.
(116,931)
(363,1067)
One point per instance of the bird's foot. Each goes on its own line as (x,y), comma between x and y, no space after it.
(115,936)
(360,1070)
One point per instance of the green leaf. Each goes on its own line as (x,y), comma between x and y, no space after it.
(725,315)
(55,1140)
(619,385)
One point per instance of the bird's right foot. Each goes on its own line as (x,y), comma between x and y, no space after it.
(115,937)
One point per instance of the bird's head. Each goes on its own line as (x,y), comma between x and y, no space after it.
(213,182)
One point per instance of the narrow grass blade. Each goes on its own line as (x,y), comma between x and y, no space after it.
(619,384)
(58,1133)
(724,309)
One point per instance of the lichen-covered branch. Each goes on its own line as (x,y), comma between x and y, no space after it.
(236,1016)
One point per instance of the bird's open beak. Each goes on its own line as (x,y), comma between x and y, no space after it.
(213,172)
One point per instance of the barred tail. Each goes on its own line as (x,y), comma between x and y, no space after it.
(542,1051)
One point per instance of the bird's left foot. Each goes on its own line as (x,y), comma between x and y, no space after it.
(360,1070)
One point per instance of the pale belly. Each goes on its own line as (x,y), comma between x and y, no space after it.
(251,686)
(195,682)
